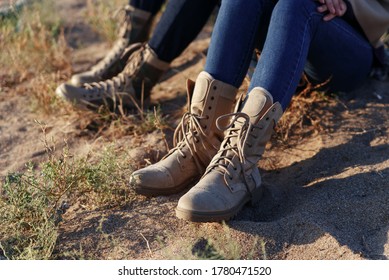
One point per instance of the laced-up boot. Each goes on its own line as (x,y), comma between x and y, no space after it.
(232,178)
(131,87)
(196,140)
(135,27)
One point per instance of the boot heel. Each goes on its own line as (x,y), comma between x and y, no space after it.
(257,194)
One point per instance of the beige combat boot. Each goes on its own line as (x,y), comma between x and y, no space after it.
(135,27)
(196,140)
(232,178)
(130,88)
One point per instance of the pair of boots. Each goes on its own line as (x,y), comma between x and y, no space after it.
(125,75)
(215,148)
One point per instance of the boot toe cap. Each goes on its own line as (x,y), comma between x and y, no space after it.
(202,201)
(61,91)
(156,177)
(210,201)
(70,93)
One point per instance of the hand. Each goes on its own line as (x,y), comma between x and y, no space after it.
(335,8)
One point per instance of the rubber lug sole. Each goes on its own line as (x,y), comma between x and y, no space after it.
(201,217)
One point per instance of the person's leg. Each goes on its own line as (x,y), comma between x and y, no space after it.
(141,18)
(151,6)
(179,25)
(333,51)
(134,27)
(296,32)
(199,138)
(234,37)
(147,63)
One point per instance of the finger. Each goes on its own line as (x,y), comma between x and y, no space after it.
(329,17)
(339,7)
(322,9)
(343,7)
(330,6)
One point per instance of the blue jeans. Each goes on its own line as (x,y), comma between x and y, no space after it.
(179,25)
(152,6)
(294,38)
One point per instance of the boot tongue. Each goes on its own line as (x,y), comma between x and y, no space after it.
(199,94)
(256,104)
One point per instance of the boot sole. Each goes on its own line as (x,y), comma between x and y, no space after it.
(158,192)
(202,217)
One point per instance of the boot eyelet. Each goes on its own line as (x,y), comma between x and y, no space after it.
(214,87)
(205,127)
(209,108)
(267,118)
(212,98)
(207,117)
(274,109)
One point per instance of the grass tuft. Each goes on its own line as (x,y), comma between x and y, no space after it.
(34,51)
(32,202)
(103,17)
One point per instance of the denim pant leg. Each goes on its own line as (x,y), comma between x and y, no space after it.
(152,6)
(234,36)
(179,25)
(298,37)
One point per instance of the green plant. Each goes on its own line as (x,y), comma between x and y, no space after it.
(32,202)
(27,217)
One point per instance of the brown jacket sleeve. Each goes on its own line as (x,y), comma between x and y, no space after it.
(373,16)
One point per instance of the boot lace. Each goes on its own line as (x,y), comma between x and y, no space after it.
(190,133)
(236,138)
(112,86)
(113,55)
(119,83)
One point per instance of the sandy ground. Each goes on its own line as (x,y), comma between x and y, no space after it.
(327,193)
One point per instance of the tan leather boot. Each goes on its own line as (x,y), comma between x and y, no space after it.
(135,27)
(131,87)
(232,178)
(196,140)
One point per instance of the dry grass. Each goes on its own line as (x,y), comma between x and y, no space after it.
(34,52)
(32,202)
(104,16)
(35,59)
(304,114)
